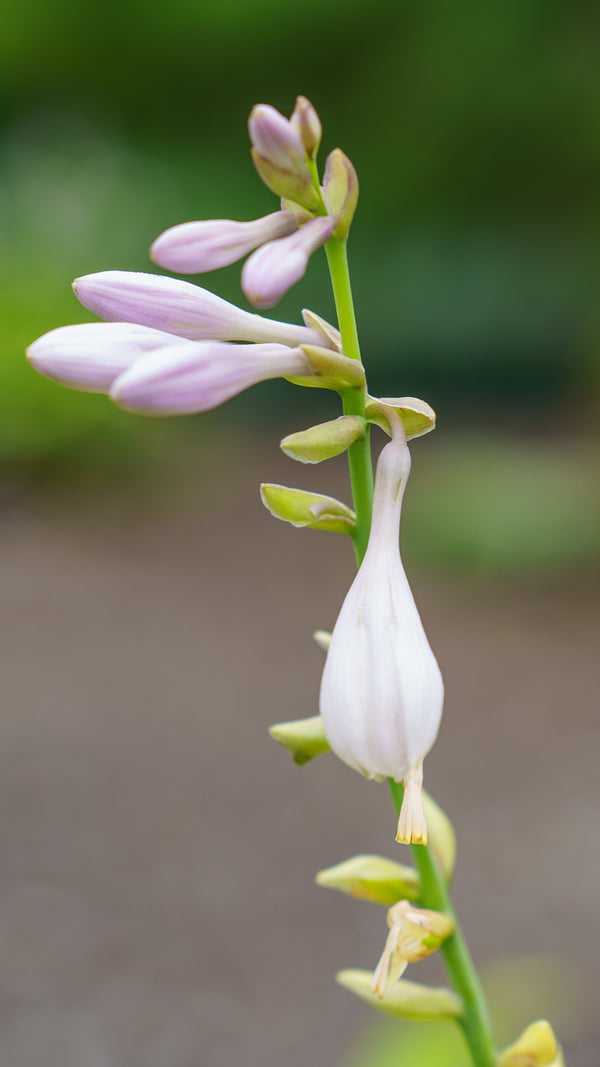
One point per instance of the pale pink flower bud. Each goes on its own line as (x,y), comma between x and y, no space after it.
(276,139)
(91,355)
(275,267)
(195,247)
(181,308)
(185,379)
(382,691)
(279,156)
(307,124)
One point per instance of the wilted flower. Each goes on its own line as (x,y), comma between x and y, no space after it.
(275,267)
(414,934)
(183,309)
(195,247)
(382,690)
(184,379)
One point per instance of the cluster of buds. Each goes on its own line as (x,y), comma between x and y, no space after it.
(168,347)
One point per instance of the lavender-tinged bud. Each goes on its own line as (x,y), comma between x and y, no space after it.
(307,124)
(373,878)
(407,1000)
(181,308)
(279,156)
(275,267)
(90,356)
(382,691)
(414,934)
(189,378)
(195,247)
(340,191)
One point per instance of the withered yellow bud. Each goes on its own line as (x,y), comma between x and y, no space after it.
(409,1000)
(311,510)
(303,738)
(417,417)
(324,441)
(340,191)
(414,934)
(536,1047)
(372,878)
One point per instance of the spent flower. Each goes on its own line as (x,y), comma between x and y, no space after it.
(414,934)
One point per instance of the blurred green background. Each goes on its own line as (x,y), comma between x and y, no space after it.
(474,252)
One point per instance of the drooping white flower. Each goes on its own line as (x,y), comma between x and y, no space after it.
(382,690)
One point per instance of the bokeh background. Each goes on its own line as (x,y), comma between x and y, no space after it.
(157,852)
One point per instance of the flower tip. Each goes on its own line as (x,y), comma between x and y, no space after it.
(412,825)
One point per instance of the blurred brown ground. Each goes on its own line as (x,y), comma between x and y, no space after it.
(157,851)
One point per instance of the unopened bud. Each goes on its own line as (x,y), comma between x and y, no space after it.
(372,878)
(307,124)
(195,247)
(332,370)
(278,265)
(414,934)
(442,839)
(340,191)
(325,440)
(323,639)
(303,509)
(303,738)
(408,1000)
(286,183)
(418,418)
(536,1047)
(279,156)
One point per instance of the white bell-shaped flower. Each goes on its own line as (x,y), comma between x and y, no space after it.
(382,690)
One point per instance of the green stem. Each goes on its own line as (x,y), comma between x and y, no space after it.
(359,454)
(434,894)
